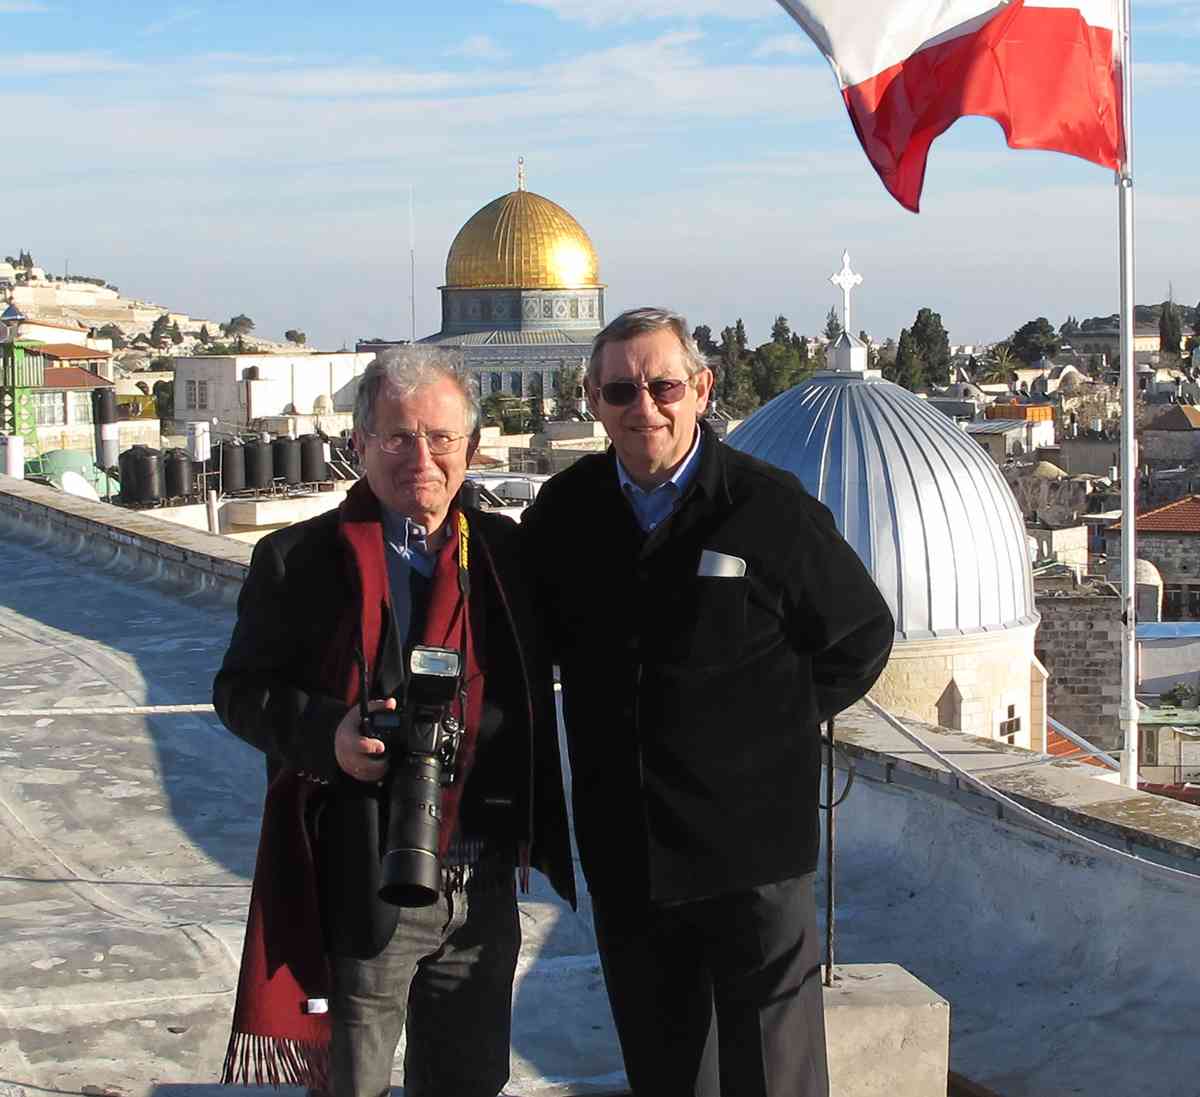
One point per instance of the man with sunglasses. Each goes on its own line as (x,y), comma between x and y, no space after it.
(706,616)
(327,618)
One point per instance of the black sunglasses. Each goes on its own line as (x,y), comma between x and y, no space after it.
(623,393)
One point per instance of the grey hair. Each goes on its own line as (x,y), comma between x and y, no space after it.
(634,322)
(403,370)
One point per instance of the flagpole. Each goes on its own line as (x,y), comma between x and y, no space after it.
(1129,711)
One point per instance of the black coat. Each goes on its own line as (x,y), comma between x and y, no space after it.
(692,703)
(274,691)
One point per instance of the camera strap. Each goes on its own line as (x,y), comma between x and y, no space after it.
(464,577)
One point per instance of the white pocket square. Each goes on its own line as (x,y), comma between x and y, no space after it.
(720,565)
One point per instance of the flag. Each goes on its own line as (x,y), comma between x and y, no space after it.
(1046,70)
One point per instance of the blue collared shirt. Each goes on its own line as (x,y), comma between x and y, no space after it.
(652,508)
(408,550)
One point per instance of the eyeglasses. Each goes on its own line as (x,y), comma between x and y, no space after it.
(667,390)
(405,441)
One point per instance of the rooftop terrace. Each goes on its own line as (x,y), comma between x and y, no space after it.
(128,841)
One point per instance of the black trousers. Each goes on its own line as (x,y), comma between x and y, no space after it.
(719,997)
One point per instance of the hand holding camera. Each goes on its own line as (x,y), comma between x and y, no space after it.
(359,754)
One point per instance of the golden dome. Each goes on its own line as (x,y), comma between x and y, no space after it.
(522,241)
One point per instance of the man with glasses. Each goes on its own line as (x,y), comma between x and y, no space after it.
(706,616)
(329,613)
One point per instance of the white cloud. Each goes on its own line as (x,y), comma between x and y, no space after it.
(1165,74)
(479,47)
(171,19)
(788,45)
(60,64)
(597,13)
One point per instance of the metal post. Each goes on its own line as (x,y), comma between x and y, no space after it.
(214,522)
(1129,712)
(830,809)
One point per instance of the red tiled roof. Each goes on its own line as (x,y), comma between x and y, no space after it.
(1059,746)
(1181,516)
(70,350)
(73,377)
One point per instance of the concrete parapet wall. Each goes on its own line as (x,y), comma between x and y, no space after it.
(143,548)
(1066,969)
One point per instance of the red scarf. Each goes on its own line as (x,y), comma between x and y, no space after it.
(284,967)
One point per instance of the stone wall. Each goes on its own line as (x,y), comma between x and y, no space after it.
(1176,555)
(968,683)
(1079,644)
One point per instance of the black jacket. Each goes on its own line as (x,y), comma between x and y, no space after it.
(273,690)
(692,703)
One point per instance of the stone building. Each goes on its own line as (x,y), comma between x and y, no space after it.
(1079,644)
(522,299)
(1169,538)
(933,520)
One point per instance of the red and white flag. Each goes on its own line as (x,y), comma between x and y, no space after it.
(1046,70)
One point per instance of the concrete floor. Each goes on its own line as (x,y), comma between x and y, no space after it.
(127,844)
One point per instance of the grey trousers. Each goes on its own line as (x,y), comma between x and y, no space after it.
(719,997)
(445,979)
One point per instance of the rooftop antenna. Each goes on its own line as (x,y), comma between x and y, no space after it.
(520,173)
(412,271)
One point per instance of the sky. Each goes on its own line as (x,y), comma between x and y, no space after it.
(222,158)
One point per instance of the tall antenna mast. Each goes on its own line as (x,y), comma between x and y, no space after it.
(412,271)
(520,173)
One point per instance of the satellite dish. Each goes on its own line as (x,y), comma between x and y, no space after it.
(74,484)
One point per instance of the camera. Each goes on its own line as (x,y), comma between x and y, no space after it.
(422,740)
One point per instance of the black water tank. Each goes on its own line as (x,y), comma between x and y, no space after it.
(177,473)
(312,459)
(286,455)
(146,469)
(260,468)
(230,458)
(126,474)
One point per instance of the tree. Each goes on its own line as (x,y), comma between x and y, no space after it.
(780,332)
(775,368)
(909,369)
(160,331)
(1033,340)
(704,340)
(802,349)
(239,325)
(739,331)
(164,399)
(1069,328)
(833,326)
(932,345)
(204,337)
(1170,328)
(734,389)
(998,369)
(176,334)
(568,392)
(111,331)
(510,413)
(1196,320)
(292,335)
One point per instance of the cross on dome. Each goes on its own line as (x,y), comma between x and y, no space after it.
(846,280)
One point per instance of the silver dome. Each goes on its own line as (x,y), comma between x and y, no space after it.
(923,505)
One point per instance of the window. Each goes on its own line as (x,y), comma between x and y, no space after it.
(81,407)
(189,389)
(1173,602)
(50,408)
(1193,602)
(1010,728)
(202,394)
